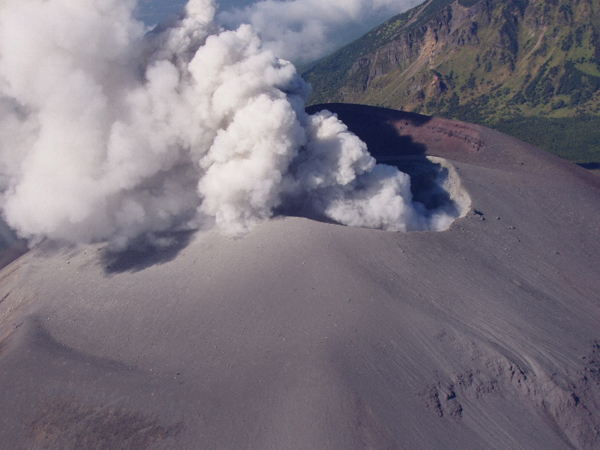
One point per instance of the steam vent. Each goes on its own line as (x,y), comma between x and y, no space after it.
(306,334)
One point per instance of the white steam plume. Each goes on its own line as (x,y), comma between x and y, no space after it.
(108,133)
(305,30)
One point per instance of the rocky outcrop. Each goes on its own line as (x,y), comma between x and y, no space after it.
(482,61)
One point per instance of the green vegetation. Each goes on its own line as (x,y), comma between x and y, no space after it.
(331,73)
(574,138)
(530,68)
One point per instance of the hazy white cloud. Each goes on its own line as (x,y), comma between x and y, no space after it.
(108,133)
(305,30)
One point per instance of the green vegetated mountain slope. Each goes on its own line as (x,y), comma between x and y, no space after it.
(530,68)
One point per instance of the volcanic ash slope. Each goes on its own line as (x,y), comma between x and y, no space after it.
(309,335)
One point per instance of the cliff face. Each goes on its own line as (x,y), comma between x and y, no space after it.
(483,61)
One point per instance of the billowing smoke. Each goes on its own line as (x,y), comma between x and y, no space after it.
(110,133)
(305,30)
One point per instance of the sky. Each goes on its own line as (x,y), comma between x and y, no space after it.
(300,31)
(153,11)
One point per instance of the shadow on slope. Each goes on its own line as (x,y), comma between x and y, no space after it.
(142,253)
(432,184)
(11,247)
(592,167)
(375,126)
(434,187)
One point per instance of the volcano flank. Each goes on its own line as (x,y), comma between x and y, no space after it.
(306,334)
